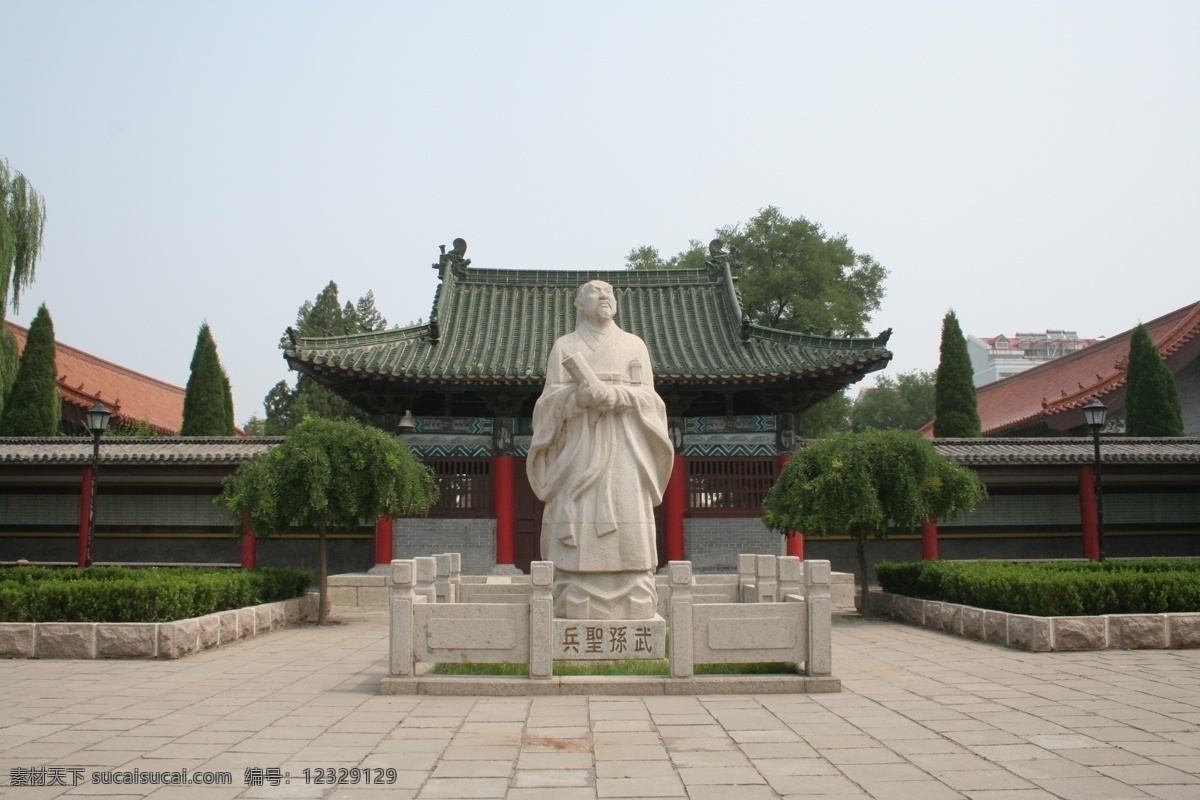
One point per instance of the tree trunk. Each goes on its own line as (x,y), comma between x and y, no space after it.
(860,547)
(323,577)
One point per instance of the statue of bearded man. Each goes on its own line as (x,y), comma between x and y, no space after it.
(600,459)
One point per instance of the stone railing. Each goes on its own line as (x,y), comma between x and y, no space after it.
(441,616)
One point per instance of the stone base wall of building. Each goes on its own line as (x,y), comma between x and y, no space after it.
(151,639)
(474,538)
(1042,634)
(712,544)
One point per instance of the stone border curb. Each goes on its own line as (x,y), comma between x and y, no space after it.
(1044,634)
(628,686)
(150,639)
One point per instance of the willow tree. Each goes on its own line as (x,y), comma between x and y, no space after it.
(328,475)
(861,484)
(22,220)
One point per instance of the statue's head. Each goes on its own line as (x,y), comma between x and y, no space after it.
(596,301)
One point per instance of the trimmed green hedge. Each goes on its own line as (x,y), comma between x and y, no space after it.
(1051,588)
(121,594)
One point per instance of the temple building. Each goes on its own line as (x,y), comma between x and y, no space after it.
(469,377)
(1048,399)
(133,398)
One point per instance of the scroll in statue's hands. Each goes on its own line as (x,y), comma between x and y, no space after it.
(597,396)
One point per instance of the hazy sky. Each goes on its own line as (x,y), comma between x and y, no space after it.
(1031,164)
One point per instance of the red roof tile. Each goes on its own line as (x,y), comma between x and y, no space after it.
(1050,392)
(84,378)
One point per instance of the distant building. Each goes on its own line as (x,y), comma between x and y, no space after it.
(997,357)
(1047,399)
(132,397)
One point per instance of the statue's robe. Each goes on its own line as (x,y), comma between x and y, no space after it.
(600,472)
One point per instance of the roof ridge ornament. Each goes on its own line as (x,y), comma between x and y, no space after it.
(455,259)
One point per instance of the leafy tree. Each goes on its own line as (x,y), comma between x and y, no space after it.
(286,406)
(793,275)
(827,418)
(207,402)
(328,475)
(10,361)
(905,402)
(34,406)
(956,410)
(1152,406)
(860,484)
(22,220)
(140,429)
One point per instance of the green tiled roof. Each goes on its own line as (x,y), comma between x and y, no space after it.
(495,326)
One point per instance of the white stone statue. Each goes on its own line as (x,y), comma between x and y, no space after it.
(600,459)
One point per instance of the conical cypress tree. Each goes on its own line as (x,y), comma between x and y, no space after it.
(1152,406)
(957,410)
(33,406)
(207,409)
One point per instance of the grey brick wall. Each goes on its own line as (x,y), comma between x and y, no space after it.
(475,539)
(713,544)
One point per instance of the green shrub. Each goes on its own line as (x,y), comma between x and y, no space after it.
(1052,588)
(122,594)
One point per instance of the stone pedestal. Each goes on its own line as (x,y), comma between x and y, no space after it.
(609,639)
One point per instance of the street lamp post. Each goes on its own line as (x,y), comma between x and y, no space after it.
(1094,413)
(97,422)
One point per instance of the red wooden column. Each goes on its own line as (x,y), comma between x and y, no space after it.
(795,545)
(383,541)
(85,511)
(1087,513)
(249,545)
(504,500)
(929,540)
(795,542)
(674,505)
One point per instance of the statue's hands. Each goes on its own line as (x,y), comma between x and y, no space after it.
(601,398)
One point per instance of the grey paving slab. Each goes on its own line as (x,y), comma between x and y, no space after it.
(921,715)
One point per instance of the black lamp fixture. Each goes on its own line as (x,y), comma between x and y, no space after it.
(97,422)
(97,419)
(1094,414)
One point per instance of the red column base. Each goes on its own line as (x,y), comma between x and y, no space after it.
(85,510)
(504,501)
(1089,530)
(795,545)
(929,541)
(383,540)
(674,503)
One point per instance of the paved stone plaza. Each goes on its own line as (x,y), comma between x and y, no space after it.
(922,716)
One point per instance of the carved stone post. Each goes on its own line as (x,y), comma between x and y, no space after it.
(441,580)
(820,612)
(682,648)
(541,620)
(765,581)
(746,567)
(790,575)
(403,575)
(455,575)
(426,574)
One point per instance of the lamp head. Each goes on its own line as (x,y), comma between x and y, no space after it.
(97,418)
(1094,413)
